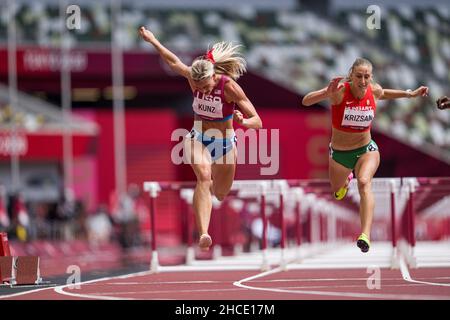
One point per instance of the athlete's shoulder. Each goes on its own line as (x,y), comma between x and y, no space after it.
(227,79)
(233,91)
(377,90)
(230,84)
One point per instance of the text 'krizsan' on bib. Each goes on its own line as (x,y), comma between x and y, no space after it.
(358,117)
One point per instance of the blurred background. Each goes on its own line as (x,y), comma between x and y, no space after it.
(75,148)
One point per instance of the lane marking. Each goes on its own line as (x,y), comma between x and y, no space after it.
(235,289)
(13,295)
(58,288)
(163,269)
(331,293)
(407,277)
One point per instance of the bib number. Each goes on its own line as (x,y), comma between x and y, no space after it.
(357,118)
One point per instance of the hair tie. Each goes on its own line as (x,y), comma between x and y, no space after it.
(209,56)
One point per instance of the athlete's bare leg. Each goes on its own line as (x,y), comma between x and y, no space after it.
(338,175)
(365,169)
(201,165)
(223,175)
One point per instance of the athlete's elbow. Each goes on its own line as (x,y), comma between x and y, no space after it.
(306,102)
(255,122)
(259,124)
(174,67)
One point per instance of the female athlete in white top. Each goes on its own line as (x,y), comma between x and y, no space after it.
(211,144)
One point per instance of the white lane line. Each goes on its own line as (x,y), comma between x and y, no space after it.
(167,292)
(407,277)
(60,289)
(163,282)
(207,267)
(234,289)
(188,282)
(13,295)
(331,293)
(223,281)
(347,294)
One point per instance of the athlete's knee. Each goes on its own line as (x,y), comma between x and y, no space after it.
(205,182)
(364,184)
(204,177)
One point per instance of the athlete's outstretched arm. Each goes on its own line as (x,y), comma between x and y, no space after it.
(169,57)
(331,91)
(386,94)
(235,93)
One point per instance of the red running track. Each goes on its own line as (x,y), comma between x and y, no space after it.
(309,284)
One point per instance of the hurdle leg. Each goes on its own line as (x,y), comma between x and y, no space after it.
(395,264)
(190,251)
(153,188)
(265,262)
(412,238)
(283,262)
(154,264)
(187,201)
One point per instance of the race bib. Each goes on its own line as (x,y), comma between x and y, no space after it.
(210,109)
(357,117)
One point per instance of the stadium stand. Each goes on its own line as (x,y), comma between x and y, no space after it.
(292,45)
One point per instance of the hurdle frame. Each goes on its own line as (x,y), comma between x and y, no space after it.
(400,193)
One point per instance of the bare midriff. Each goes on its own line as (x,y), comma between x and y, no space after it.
(224,127)
(341,140)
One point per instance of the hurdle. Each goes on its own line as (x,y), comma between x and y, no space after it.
(265,192)
(413,191)
(241,188)
(319,220)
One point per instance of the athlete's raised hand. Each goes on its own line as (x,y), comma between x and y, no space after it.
(334,85)
(147,35)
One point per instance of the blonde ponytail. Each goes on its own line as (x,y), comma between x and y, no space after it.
(222,58)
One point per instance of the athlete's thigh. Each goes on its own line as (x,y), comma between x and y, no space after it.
(223,173)
(367,165)
(338,174)
(198,157)
(194,152)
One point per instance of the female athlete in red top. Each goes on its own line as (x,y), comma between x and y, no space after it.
(352,148)
(210,147)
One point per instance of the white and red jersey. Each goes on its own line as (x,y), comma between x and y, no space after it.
(213,106)
(353,114)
